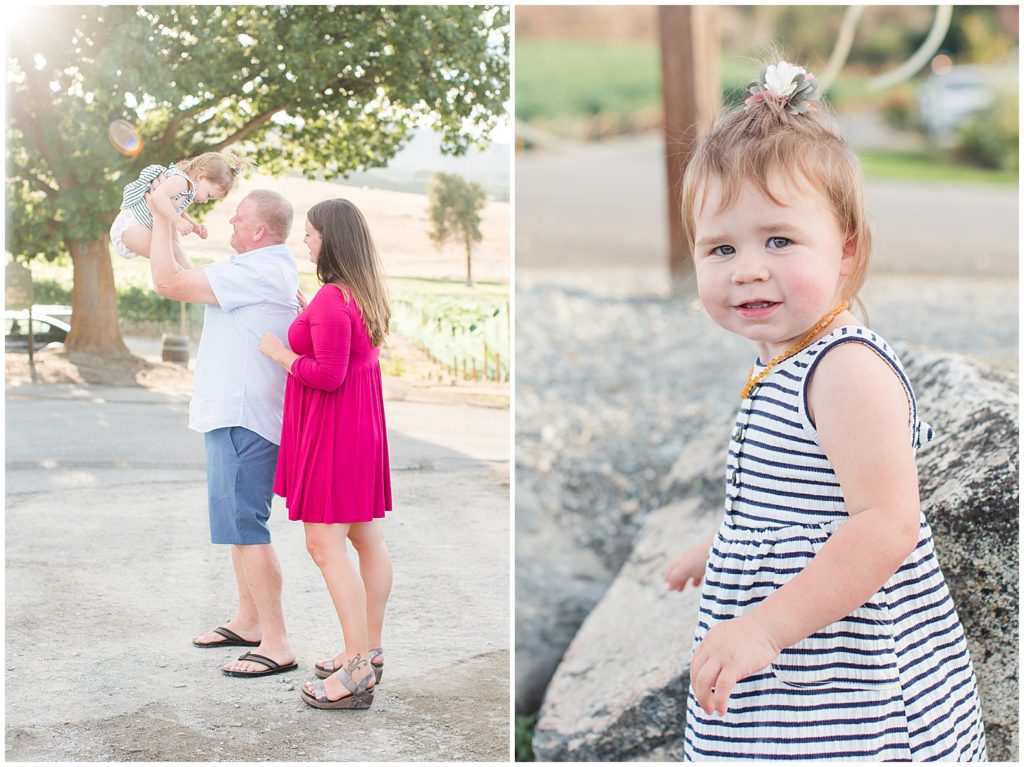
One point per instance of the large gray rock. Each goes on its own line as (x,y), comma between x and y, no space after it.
(970,492)
(557,585)
(619,693)
(551,602)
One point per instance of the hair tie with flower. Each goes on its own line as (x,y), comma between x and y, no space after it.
(786,83)
(237,164)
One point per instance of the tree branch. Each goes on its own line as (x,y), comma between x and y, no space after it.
(26,121)
(37,183)
(249,128)
(172,127)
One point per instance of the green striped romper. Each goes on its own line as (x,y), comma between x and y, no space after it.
(134,210)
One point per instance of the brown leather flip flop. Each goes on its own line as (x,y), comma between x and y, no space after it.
(231,639)
(273,667)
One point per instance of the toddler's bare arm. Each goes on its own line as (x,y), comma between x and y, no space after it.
(160,195)
(689,565)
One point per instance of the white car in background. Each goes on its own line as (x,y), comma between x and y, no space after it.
(50,325)
(947,101)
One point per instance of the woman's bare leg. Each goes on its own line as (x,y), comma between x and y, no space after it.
(326,543)
(375,568)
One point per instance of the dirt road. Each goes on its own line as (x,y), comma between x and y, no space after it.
(110,574)
(604,204)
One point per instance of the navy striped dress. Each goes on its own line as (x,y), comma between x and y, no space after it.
(890,682)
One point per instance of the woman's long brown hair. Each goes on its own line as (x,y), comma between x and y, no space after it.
(349,259)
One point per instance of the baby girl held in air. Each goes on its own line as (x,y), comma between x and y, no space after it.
(173,189)
(825,630)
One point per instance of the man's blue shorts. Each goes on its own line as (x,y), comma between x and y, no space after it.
(240,467)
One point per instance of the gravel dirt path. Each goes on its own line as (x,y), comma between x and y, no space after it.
(110,574)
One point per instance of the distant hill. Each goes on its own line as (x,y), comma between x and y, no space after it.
(413,167)
(399,223)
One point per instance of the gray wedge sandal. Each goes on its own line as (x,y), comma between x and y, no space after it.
(325,669)
(361,697)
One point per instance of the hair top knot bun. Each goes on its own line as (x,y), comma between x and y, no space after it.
(792,87)
(237,163)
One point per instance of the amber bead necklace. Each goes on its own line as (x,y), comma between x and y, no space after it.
(824,322)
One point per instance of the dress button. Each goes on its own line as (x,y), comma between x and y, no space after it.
(738,434)
(736,478)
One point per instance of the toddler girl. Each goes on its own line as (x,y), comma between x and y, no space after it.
(209,176)
(826,630)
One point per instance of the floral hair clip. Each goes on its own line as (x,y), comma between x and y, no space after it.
(790,85)
(238,164)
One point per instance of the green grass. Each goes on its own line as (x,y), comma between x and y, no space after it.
(136,273)
(926,167)
(566,78)
(465,330)
(582,78)
(524,737)
(422,286)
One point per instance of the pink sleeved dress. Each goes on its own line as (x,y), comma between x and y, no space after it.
(333,463)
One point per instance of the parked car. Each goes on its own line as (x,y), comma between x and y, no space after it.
(50,324)
(948,100)
(57,311)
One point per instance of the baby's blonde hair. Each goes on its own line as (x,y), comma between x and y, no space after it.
(220,168)
(764,144)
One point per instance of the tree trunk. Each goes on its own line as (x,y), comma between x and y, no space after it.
(469,263)
(94,325)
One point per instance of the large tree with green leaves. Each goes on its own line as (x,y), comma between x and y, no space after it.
(454,206)
(325,90)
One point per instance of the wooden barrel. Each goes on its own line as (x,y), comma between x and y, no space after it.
(175,349)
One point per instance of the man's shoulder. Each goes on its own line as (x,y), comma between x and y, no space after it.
(272,256)
(268,253)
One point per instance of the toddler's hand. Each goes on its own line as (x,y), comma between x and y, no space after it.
(731,651)
(688,567)
(200,229)
(184,227)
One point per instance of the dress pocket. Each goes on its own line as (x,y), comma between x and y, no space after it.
(855,652)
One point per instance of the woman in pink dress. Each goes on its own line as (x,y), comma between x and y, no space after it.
(332,467)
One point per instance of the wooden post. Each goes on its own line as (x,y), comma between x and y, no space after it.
(31,347)
(691,91)
(20,294)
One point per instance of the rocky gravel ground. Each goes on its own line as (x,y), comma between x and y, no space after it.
(614,377)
